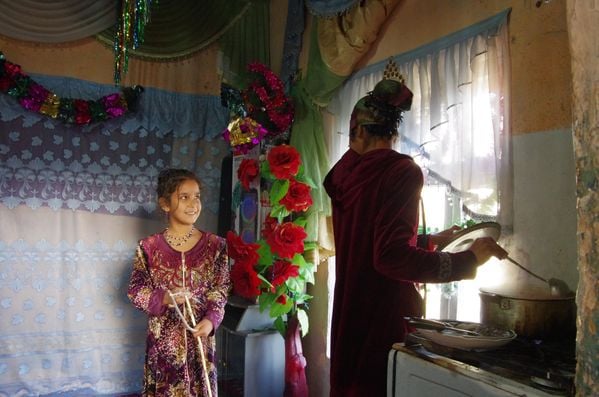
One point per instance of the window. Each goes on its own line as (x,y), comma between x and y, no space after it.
(457,131)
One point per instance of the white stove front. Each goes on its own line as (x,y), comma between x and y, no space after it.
(410,375)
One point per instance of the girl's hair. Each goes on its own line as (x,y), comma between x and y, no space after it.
(169,180)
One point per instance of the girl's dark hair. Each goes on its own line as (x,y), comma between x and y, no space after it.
(169,180)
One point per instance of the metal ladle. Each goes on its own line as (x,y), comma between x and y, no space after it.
(558,287)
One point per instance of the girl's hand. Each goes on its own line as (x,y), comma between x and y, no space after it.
(179,295)
(203,328)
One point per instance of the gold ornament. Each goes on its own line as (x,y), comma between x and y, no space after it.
(244,130)
(392,72)
(50,106)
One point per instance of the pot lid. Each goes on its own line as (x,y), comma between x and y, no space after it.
(532,292)
(463,239)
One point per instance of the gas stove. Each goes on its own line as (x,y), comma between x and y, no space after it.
(523,367)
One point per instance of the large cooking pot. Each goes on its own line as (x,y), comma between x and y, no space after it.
(543,317)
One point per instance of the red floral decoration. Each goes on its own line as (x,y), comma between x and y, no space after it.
(281,271)
(266,100)
(261,109)
(298,197)
(287,240)
(274,269)
(240,251)
(248,171)
(246,282)
(34,97)
(269,226)
(284,161)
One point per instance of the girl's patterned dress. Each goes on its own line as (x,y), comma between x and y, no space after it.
(173,366)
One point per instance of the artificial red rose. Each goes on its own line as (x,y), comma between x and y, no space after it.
(298,197)
(284,161)
(287,240)
(82,111)
(5,84)
(268,226)
(281,271)
(245,280)
(12,70)
(282,299)
(240,251)
(248,171)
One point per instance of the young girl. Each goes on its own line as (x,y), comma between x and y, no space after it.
(180,273)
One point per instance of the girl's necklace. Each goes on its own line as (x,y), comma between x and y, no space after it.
(177,241)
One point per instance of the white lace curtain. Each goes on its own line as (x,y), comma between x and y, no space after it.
(458,127)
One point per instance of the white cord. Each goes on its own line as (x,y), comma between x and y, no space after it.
(185,323)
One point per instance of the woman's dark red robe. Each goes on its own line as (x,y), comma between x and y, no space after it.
(375,199)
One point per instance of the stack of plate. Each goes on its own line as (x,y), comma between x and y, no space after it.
(462,335)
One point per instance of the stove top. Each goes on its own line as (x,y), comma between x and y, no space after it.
(546,366)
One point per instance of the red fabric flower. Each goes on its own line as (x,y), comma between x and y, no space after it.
(5,83)
(248,171)
(12,70)
(298,197)
(287,240)
(245,280)
(282,299)
(281,271)
(240,251)
(82,111)
(284,161)
(269,225)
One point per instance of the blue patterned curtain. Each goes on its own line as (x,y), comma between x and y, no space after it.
(74,201)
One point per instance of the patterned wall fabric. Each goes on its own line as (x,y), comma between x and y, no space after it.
(74,201)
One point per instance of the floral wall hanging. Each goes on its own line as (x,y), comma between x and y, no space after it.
(36,98)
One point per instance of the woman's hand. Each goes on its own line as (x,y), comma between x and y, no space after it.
(484,248)
(203,328)
(444,237)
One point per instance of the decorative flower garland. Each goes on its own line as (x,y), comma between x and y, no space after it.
(274,269)
(261,109)
(34,97)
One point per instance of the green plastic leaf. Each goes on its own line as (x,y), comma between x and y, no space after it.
(265,301)
(266,257)
(278,309)
(280,212)
(307,274)
(302,317)
(299,260)
(278,190)
(310,245)
(280,325)
(294,284)
(300,221)
(265,171)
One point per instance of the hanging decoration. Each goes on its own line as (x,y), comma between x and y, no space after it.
(134,16)
(36,98)
(260,110)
